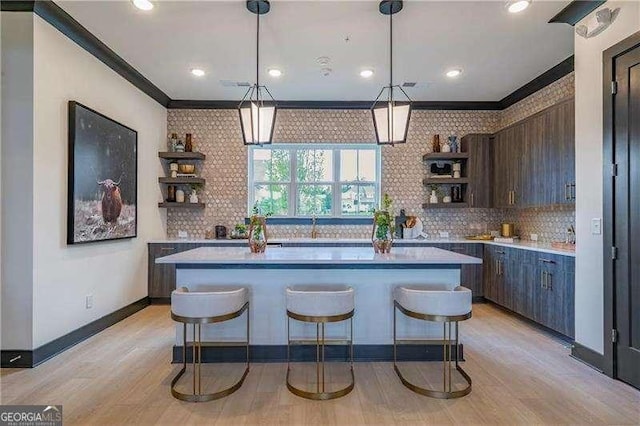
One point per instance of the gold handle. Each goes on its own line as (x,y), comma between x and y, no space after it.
(572,191)
(549,281)
(472,203)
(566,192)
(514,197)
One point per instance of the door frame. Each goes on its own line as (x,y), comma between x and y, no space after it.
(608,58)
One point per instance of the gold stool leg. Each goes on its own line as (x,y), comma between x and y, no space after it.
(197,367)
(320,393)
(447,392)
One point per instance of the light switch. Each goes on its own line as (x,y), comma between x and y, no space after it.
(596,226)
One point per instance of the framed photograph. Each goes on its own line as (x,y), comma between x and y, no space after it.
(103,178)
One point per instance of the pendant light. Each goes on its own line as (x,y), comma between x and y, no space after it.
(392,108)
(257,114)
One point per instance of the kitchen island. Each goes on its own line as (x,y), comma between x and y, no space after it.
(372,276)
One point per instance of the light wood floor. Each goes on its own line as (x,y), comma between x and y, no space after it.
(520,375)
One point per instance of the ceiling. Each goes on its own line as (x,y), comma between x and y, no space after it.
(498,51)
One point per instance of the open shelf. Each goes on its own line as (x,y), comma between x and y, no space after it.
(444,181)
(436,156)
(182,180)
(186,205)
(445,206)
(182,155)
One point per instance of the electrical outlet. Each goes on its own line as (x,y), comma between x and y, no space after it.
(183,235)
(89,301)
(534,237)
(444,234)
(596,226)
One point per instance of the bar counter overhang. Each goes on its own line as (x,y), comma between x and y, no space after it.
(266,275)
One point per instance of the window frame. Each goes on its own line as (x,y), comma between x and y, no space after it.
(336,184)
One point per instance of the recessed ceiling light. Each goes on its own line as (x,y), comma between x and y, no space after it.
(274,72)
(454,72)
(366,73)
(518,5)
(142,4)
(197,72)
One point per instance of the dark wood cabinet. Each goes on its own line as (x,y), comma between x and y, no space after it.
(534,160)
(470,275)
(162,278)
(538,286)
(554,294)
(479,190)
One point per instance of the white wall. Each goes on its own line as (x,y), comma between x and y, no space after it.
(115,273)
(17,179)
(589,171)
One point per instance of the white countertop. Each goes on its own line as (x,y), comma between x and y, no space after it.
(319,255)
(525,245)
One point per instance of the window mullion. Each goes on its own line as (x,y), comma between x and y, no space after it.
(337,189)
(293,185)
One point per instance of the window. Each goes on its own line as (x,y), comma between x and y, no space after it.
(321,180)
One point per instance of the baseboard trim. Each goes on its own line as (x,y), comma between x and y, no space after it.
(28,359)
(159,300)
(552,333)
(304,353)
(588,356)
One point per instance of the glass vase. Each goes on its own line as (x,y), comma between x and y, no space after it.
(382,232)
(258,234)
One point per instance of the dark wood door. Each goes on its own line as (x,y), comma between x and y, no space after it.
(479,170)
(523,288)
(501,169)
(559,154)
(470,275)
(626,217)
(533,168)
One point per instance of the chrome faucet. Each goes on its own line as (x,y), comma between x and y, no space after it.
(314,231)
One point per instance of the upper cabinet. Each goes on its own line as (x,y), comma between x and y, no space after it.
(534,160)
(479,189)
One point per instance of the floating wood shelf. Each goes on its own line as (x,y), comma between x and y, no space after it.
(182,155)
(445,205)
(181,205)
(182,180)
(444,181)
(435,156)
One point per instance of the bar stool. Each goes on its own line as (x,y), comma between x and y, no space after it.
(320,304)
(437,303)
(211,304)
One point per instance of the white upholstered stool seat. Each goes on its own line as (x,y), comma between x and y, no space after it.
(320,304)
(208,301)
(438,300)
(446,304)
(204,304)
(320,300)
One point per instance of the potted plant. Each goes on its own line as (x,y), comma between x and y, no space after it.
(239,231)
(257,231)
(382,233)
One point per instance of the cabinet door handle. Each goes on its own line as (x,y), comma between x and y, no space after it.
(549,281)
(499,251)
(167,248)
(567,197)
(572,192)
(510,199)
(514,197)
(546,260)
(501,269)
(543,279)
(472,202)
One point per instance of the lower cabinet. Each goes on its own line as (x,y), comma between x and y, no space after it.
(162,278)
(536,285)
(470,275)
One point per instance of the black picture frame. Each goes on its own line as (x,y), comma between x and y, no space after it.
(98,148)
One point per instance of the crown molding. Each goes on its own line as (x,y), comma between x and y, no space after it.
(61,20)
(575,11)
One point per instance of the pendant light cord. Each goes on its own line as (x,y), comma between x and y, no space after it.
(391,46)
(258,46)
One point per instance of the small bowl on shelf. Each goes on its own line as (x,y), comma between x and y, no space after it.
(187,168)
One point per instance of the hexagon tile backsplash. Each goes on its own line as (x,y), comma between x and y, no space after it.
(217,134)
